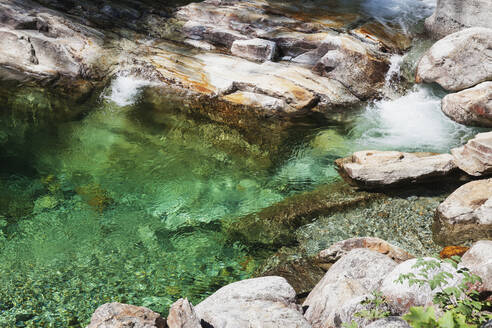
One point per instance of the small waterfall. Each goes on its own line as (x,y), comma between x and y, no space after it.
(125,89)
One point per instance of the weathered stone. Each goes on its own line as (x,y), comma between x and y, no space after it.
(337,250)
(471,107)
(268,302)
(390,322)
(450,251)
(453,15)
(182,315)
(466,215)
(372,168)
(475,158)
(255,49)
(118,315)
(459,61)
(358,273)
(479,261)
(403,295)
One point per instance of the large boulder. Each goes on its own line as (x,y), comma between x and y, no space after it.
(182,315)
(403,295)
(465,215)
(373,169)
(453,15)
(475,158)
(118,315)
(268,302)
(471,107)
(358,273)
(459,61)
(479,261)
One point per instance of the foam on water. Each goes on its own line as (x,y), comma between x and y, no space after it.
(125,89)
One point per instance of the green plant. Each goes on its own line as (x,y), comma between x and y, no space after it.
(461,305)
(376,307)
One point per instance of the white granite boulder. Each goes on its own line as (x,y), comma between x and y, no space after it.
(475,158)
(118,315)
(182,315)
(478,259)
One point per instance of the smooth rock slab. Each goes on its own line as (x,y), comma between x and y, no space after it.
(465,215)
(267,302)
(358,273)
(471,107)
(459,61)
(479,261)
(255,49)
(475,158)
(118,315)
(373,168)
(182,315)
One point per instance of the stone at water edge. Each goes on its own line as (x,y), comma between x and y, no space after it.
(475,158)
(358,273)
(403,296)
(268,302)
(373,168)
(337,250)
(390,322)
(459,61)
(466,215)
(182,315)
(450,16)
(118,315)
(479,261)
(255,49)
(472,107)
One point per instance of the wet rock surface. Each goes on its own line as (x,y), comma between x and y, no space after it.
(372,169)
(459,61)
(472,107)
(466,215)
(118,315)
(475,158)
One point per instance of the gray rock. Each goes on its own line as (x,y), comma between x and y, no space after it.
(390,322)
(373,168)
(267,302)
(337,250)
(403,296)
(358,273)
(466,215)
(475,158)
(478,259)
(451,16)
(459,61)
(182,315)
(118,315)
(471,107)
(255,49)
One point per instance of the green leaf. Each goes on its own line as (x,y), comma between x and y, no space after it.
(447,320)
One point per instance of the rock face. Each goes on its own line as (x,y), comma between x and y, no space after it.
(117,315)
(372,168)
(454,15)
(268,302)
(337,250)
(459,61)
(475,158)
(471,107)
(358,273)
(182,315)
(465,215)
(254,49)
(403,296)
(479,261)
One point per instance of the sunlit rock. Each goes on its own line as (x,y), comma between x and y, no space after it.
(254,49)
(452,62)
(372,169)
(117,315)
(453,15)
(358,273)
(182,315)
(262,302)
(478,260)
(450,251)
(466,215)
(471,107)
(390,322)
(475,158)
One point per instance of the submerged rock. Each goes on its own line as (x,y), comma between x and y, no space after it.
(466,215)
(182,315)
(373,169)
(479,261)
(459,61)
(472,107)
(475,158)
(358,273)
(268,302)
(118,315)
(453,15)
